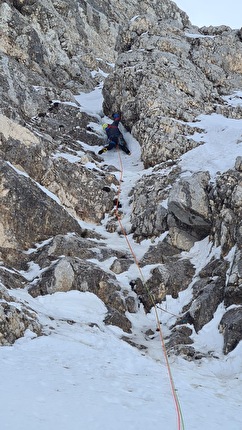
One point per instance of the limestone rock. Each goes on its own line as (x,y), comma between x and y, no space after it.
(70,245)
(11,278)
(118,319)
(165,75)
(53,169)
(149,201)
(238,164)
(233,287)
(188,204)
(231,327)
(149,217)
(170,278)
(75,274)
(23,204)
(227,210)
(208,292)
(15,319)
(209,295)
(121,265)
(179,336)
(215,268)
(160,253)
(227,229)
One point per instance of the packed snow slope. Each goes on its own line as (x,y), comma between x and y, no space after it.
(83,375)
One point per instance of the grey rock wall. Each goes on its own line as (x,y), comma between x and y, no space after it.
(165,75)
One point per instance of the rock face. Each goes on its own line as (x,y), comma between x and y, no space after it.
(167,279)
(15,319)
(149,215)
(52,47)
(189,211)
(227,199)
(57,196)
(28,202)
(230,326)
(165,76)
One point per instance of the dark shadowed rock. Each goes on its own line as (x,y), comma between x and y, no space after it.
(208,295)
(121,264)
(233,286)
(170,278)
(158,254)
(11,278)
(231,327)
(114,317)
(179,336)
(28,214)
(216,267)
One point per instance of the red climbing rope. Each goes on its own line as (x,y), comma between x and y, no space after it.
(180,421)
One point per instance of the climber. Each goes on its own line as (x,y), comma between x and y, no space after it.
(114,135)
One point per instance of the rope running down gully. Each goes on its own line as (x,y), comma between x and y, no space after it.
(180,421)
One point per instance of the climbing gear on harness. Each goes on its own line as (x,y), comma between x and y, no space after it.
(102,151)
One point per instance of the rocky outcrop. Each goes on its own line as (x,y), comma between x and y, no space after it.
(24,203)
(167,279)
(178,339)
(227,208)
(189,217)
(165,76)
(207,295)
(149,200)
(53,46)
(231,327)
(180,206)
(42,158)
(233,287)
(15,319)
(75,274)
(11,278)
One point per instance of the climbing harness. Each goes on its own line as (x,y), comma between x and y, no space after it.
(180,421)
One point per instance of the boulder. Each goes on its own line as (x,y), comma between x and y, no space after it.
(238,164)
(121,265)
(166,279)
(118,319)
(160,253)
(188,204)
(207,296)
(231,327)
(179,336)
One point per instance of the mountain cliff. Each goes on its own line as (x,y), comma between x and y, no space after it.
(64,68)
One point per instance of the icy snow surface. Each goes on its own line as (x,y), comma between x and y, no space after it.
(81,375)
